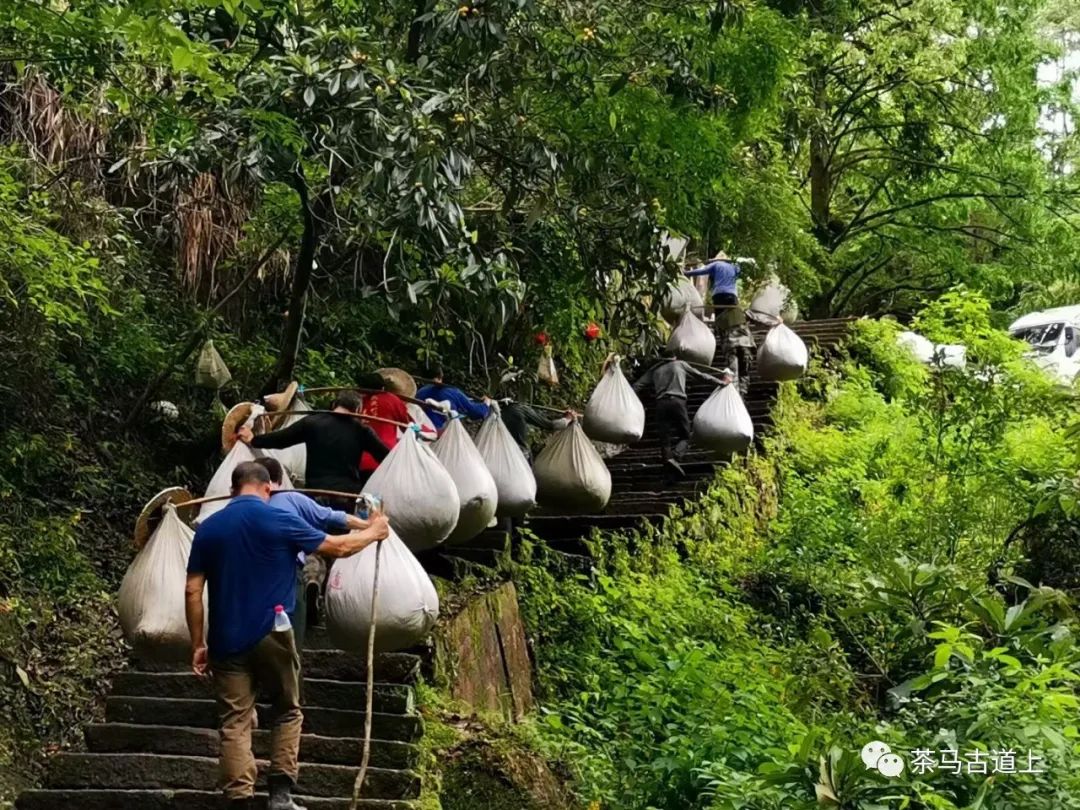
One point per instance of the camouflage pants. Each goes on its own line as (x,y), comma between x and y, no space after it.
(735,349)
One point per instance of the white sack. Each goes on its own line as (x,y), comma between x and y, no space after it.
(151,599)
(775,299)
(420,416)
(293,459)
(692,340)
(782,355)
(476,489)
(407,605)
(508,466)
(614,413)
(683,295)
(722,424)
(921,347)
(221,483)
(417,492)
(570,474)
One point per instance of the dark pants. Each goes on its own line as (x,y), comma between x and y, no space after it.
(274,666)
(673,425)
(725,300)
(299,615)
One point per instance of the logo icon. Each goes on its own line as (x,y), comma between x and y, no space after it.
(877,756)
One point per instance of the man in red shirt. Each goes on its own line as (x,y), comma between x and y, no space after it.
(384,405)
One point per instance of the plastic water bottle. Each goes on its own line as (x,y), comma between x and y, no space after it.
(281,620)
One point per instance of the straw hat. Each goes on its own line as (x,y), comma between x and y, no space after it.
(721,257)
(236,416)
(282,401)
(398,381)
(153,509)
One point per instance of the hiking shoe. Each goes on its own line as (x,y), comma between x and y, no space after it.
(281,795)
(676,467)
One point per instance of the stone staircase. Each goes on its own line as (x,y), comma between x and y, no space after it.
(158,746)
(643,490)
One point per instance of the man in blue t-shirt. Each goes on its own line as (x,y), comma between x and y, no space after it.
(245,556)
(736,343)
(455,397)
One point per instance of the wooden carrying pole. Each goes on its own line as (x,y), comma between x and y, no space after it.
(330,493)
(275,414)
(326,389)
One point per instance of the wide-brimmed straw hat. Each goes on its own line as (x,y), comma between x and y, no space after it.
(398,381)
(237,415)
(282,401)
(721,257)
(152,510)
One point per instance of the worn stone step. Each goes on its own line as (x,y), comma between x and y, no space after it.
(333,665)
(157,771)
(389,698)
(191,713)
(126,738)
(177,800)
(559,527)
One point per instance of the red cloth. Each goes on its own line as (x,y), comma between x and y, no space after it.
(386,406)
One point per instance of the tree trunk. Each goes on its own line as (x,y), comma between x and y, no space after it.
(305,265)
(820,170)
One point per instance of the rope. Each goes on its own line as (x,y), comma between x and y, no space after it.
(366,755)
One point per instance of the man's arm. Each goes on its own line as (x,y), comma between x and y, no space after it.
(345,545)
(373,444)
(323,517)
(644,380)
(704,270)
(536,419)
(471,408)
(278,439)
(701,375)
(196,621)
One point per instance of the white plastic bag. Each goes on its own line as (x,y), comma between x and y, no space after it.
(475,486)
(570,474)
(151,599)
(418,494)
(210,370)
(774,299)
(508,466)
(682,296)
(722,424)
(692,340)
(407,605)
(782,355)
(546,370)
(614,413)
(221,483)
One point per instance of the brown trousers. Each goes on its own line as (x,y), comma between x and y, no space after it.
(274,665)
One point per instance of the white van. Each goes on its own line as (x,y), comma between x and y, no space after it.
(1054,337)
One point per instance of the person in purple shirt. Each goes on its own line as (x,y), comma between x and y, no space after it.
(311,569)
(245,557)
(458,399)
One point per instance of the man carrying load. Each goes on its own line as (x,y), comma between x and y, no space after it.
(458,400)
(736,342)
(245,555)
(668,381)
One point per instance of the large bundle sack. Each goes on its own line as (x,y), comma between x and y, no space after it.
(545,370)
(774,299)
(722,424)
(475,486)
(221,484)
(210,370)
(420,416)
(570,474)
(681,297)
(692,340)
(406,608)
(151,599)
(417,492)
(782,355)
(614,414)
(508,466)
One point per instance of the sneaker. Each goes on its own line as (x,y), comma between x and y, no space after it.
(676,467)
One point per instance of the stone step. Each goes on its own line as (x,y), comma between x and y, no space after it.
(389,698)
(563,527)
(157,771)
(125,738)
(191,713)
(330,664)
(177,800)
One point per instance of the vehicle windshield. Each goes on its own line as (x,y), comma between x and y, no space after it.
(1042,338)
